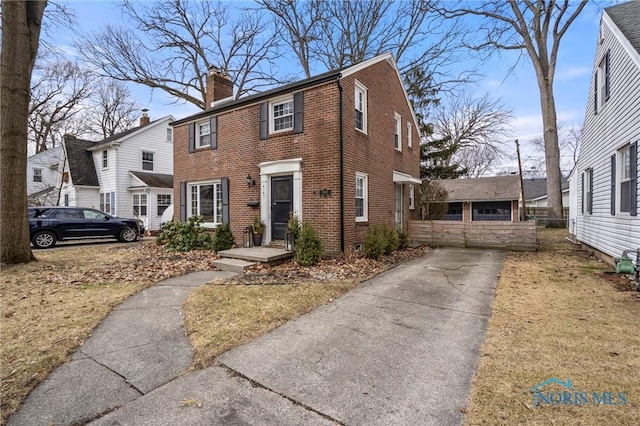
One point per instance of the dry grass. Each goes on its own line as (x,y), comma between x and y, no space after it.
(221,317)
(556,315)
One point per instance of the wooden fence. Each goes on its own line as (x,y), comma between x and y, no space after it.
(520,236)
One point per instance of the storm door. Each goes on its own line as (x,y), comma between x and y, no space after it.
(281,205)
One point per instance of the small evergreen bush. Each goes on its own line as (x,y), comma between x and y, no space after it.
(308,246)
(185,236)
(374,242)
(223,238)
(391,239)
(403,240)
(293,226)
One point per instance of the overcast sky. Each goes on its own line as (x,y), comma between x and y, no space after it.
(516,87)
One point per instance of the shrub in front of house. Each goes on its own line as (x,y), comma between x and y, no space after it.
(308,246)
(185,236)
(374,242)
(403,240)
(391,239)
(223,238)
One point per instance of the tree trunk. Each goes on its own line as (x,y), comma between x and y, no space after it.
(21,22)
(551,153)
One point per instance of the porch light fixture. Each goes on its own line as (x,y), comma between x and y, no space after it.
(250,181)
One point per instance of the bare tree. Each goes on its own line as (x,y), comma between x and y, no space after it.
(177,42)
(112,109)
(469,133)
(433,201)
(568,143)
(537,28)
(21,25)
(57,95)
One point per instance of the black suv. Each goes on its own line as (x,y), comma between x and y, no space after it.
(50,224)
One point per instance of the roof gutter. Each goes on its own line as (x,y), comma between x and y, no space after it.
(341,165)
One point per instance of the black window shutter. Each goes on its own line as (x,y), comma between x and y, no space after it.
(225,200)
(298,100)
(607,73)
(633,183)
(183,201)
(613,184)
(192,137)
(583,196)
(264,120)
(213,127)
(590,200)
(595,93)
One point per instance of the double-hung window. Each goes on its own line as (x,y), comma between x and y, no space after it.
(281,115)
(587,194)
(361,107)
(169,134)
(106,202)
(203,134)
(397,120)
(164,201)
(140,204)
(602,82)
(105,159)
(205,199)
(37,175)
(625,180)
(409,135)
(147,160)
(362,189)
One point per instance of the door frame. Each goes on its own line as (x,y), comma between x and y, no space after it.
(269,169)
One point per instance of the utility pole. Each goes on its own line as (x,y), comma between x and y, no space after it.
(523,213)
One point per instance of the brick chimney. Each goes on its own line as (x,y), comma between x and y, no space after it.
(218,86)
(144,120)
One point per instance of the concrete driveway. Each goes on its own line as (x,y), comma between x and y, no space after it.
(401,349)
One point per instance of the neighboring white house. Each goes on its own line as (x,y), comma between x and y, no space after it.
(535,192)
(604,184)
(129,174)
(43,177)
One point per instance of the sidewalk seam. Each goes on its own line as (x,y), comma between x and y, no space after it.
(294,401)
(116,373)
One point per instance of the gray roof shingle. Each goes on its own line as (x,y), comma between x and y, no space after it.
(81,167)
(495,188)
(535,188)
(154,180)
(626,16)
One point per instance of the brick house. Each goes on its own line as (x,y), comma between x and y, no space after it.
(340,150)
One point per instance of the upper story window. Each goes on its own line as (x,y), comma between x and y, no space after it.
(602,82)
(397,119)
(203,134)
(37,175)
(361,107)
(147,160)
(409,135)
(281,115)
(362,184)
(169,134)
(105,159)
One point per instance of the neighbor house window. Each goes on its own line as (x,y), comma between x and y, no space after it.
(164,201)
(281,115)
(587,194)
(625,180)
(169,134)
(205,199)
(409,135)
(602,82)
(397,120)
(66,199)
(105,159)
(361,197)
(140,204)
(37,175)
(412,197)
(361,107)
(203,134)
(106,201)
(147,160)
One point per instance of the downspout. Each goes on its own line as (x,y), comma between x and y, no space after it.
(341,167)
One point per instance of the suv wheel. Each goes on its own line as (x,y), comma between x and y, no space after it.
(43,239)
(128,235)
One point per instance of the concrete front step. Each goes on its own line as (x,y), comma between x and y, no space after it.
(257,254)
(232,265)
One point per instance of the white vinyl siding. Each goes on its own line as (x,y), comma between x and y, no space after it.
(604,133)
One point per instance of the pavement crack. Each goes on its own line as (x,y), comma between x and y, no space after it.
(444,308)
(131,385)
(255,384)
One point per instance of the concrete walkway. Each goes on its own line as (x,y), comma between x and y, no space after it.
(400,349)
